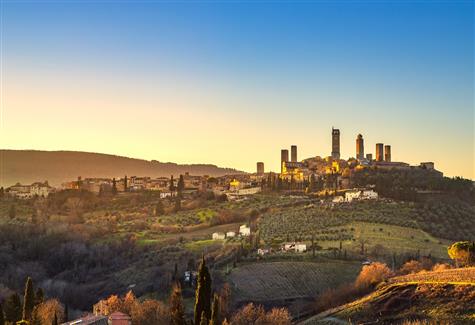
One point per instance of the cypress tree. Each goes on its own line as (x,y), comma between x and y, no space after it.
(2,317)
(175,273)
(12,308)
(28,299)
(125,183)
(172,185)
(215,311)
(55,320)
(114,187)
(180,185)
(203,293)
(177,313)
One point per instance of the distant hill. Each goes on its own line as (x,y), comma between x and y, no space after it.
(27,166)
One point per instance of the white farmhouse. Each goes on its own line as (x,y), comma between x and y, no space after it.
(244,230)
(296,247)
(230,234)
(360,195)
(218,236)
(370,195)
(338,199)
(352,195)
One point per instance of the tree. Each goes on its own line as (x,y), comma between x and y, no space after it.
(224,301)
(2,192)
(12,308)
(114,187)
(372,274)
(28,299)
(462,253)
(411,267)
(177,313)
(39,296)
(180,185)
(215,311)
(172,185)
(203,293)
(125,183)
(55,320)
(175,273)
(12,212)
(150,312)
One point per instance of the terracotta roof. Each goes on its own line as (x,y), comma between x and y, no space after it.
(119,315)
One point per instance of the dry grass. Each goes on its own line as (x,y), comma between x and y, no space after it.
(460,275)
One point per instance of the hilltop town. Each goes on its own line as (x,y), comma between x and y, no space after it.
(330,175)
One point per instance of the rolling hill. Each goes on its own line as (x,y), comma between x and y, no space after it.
(27,166)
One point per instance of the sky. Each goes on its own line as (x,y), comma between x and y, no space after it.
(233,82)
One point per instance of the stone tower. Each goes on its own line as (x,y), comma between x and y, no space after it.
(335,143)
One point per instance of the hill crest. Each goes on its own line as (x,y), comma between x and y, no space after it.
(28,166)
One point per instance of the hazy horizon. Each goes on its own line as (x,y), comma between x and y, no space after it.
(232,83)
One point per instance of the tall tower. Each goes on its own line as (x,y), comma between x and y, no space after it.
(284,157)
(293,153)
(335,143)
(379,151)
(260,168)
(359,147)
(387,153)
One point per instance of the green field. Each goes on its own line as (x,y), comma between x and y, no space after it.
(387,239)
(271,281)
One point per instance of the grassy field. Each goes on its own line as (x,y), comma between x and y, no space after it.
(461,275)
(269,281)
(388,239)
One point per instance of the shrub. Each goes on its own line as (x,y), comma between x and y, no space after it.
(372,274)
(411,267)
(441,267)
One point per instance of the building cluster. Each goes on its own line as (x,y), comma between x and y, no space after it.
(37,189)
(293,171)
(136,183)
(233,186)
(244,231)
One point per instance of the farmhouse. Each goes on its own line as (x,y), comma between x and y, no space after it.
(263,251)
(338,199)
(230,234)
(294,247)
(244,230)
(218,235)
(360,195)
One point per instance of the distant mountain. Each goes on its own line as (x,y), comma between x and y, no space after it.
(27,166)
